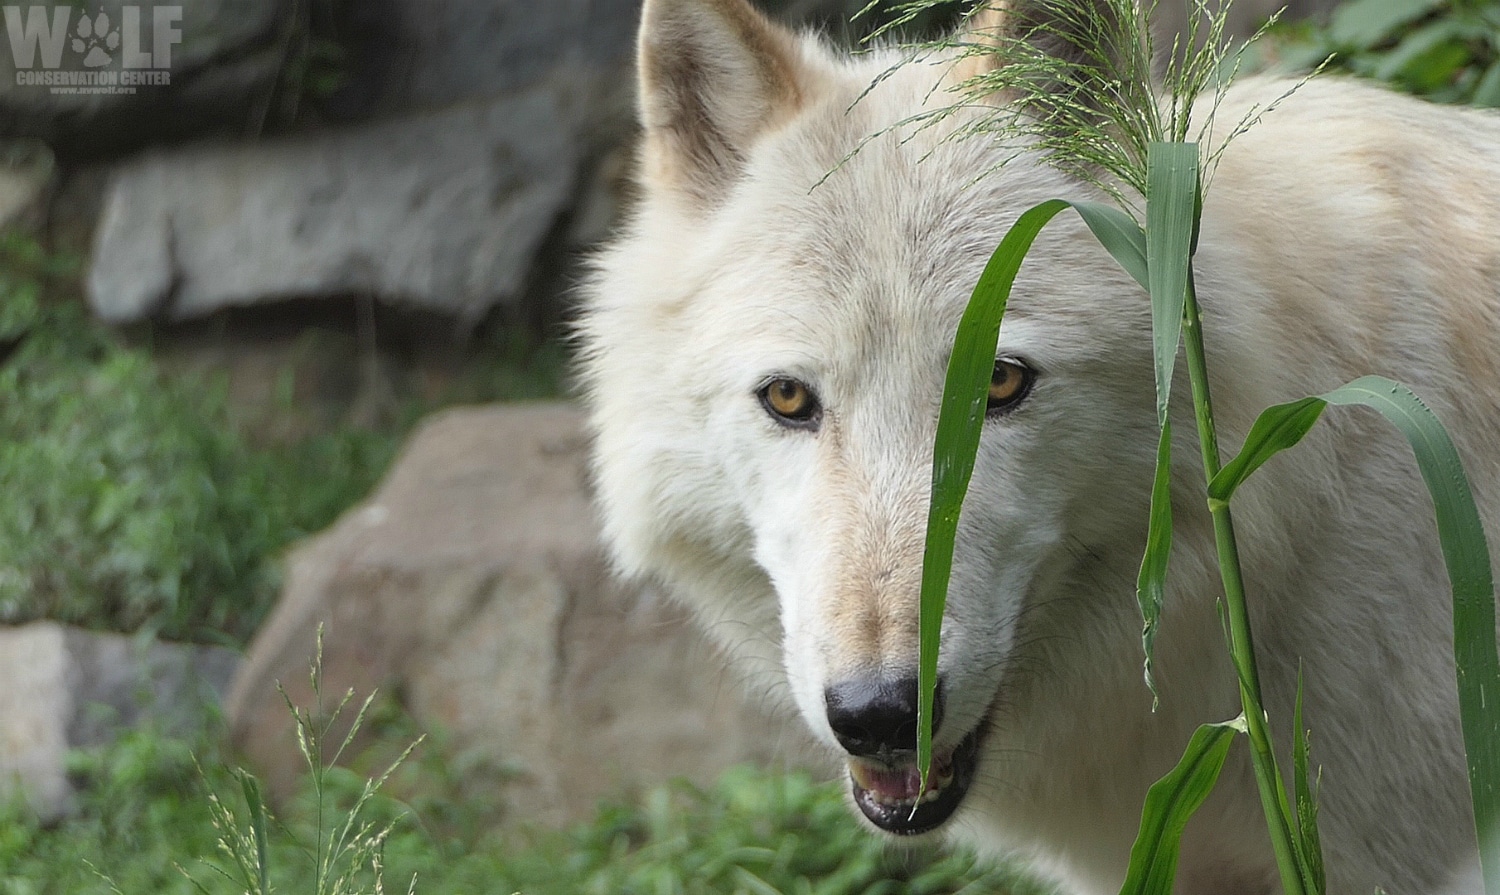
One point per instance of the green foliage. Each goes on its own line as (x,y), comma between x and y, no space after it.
(1171,802)
(344,848)
(314,65)
(1093,117)
(139,808)
(1170,226)
(960,421)
(127,499)
(1445,50)
(750,833)
(1309,841)
(144,810)
(1465,555)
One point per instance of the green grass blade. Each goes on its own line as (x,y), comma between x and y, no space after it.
(1151,582)
(1118,233)
(1309,844)
(1120,236)
(1171,215)
(1170,803)
(959,424)
(257,806)
(962,415)
(1276,429)
(1171,200)
(1465,552)
(1467,557)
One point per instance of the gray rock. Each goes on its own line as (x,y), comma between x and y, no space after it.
(122,682)
(504,156)
(472,584)
(423,54)
(441,211)
(66,688)
(26,172)
(448,210)
(36,705)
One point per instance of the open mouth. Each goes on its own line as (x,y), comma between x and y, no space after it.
(892,797)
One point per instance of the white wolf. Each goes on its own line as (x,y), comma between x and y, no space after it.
(765,347)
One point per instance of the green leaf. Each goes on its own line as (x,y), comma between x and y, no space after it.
(1427,58)
(1276,429)
(257,806)
(1171,219)
(1150,583)
(1170,803)
(957,442)
(1120,236)
(1124,240)
(962,415)
(1465,552)
(1309,845)
(1171,202)
(1487,91)
(1364,24)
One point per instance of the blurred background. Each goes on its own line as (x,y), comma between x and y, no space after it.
(284,289)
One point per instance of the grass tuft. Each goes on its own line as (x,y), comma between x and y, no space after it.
(1078,81)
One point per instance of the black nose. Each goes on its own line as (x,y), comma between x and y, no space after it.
(874,714)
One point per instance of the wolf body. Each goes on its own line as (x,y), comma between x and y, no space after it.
(1351,231)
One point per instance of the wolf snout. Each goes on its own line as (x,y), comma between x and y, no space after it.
(875,715)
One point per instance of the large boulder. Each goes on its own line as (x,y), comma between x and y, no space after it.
(473,585)
(26,172)
(66,688)
(480,144)
(424,54)
(441,211)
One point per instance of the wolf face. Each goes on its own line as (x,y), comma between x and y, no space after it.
(820,292)
(764,354)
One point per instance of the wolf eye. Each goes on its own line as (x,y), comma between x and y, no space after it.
(791,403)
(1009,385)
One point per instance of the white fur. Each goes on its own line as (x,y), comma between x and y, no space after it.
(1352,231)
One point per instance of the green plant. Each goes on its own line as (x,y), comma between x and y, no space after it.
(347,849)
(137,806)
(144,810)
(752,833)
(1099,120)
(1445,50)
(127,498)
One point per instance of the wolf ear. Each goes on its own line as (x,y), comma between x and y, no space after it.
(714,75)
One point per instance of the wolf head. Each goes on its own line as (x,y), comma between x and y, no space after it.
(765,347)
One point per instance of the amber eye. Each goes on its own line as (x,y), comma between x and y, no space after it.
(790,403)
(1009,384)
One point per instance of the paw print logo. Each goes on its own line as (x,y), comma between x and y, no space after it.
(94,38)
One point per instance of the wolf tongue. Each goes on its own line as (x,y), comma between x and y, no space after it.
(889,784)
(899,784)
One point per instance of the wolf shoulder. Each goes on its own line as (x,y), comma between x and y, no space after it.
(1355,157)
(1365,216)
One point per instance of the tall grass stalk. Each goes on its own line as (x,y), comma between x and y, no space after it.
(348,852)
(1290,856)
(1095,116)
